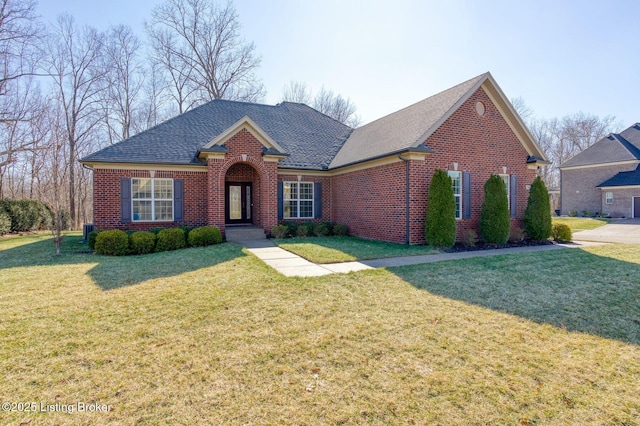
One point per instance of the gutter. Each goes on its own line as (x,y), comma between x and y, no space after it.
(407,238)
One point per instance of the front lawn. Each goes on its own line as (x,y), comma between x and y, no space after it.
(581,223)
(213,336)
(346,249)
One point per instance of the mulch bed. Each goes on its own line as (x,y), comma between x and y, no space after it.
(482,246)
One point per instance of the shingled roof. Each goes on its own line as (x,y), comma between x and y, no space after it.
(631,178)
(310,138)
(613,148)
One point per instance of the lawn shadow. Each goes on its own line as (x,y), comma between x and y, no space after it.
(571,289)
(111,272)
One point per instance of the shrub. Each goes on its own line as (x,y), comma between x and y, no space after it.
(495,220)
(440,223)
(322,229)
(170,239)
(573,214)
(143,242)
(205,236)
(469,238)
(561,232)
(292,228)
(156,230)
(587,213)
(187,229)
(517,235)
(279,231)
(537,216)
(305,229)
(92,239)
(340,229)
(5,223)
(112,243)
(26,215)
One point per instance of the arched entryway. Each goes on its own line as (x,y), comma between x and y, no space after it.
(242,200)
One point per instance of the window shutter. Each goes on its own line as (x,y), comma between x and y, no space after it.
(317,200)
(125,200)
(178,200)
(466,198)
(513,188)
(280,201)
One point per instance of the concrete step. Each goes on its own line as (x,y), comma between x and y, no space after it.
(239,234)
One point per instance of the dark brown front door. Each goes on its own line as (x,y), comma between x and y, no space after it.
(238,202)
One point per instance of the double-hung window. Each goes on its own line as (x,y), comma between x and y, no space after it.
(456,180)
(152,199)
(298,200)
(608,198)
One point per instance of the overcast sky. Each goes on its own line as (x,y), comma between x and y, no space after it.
(561,57)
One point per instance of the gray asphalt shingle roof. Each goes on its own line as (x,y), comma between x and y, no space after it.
(623,179)
(613,148)
(310,138)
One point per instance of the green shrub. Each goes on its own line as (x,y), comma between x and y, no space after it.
(143,242)
(305,229)
(561,232)
(279,231)
(187,229)
(537,216)
(440,222)
(322,229)
(340,229)
(495,220)
(292,228)
(92,239)
(469,238)
(573,214)
(25,215)
(204,236)
(170,239)
(112,243)
(156,230)
(5,223)
(587,213)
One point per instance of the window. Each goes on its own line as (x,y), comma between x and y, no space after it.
(456,178)
(608,198)
(152,199)
(298,200)
(506,180)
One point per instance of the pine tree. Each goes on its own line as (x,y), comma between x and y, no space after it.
(440,224)
(495,221)
(537,216)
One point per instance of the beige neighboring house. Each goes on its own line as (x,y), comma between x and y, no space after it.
(604,178)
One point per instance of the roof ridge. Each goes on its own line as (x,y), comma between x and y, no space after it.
(628,145)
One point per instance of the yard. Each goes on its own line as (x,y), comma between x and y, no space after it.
(213,336)
(582,223)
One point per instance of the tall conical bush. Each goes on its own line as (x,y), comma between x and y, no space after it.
(537,216)
(440,223)
(495,222)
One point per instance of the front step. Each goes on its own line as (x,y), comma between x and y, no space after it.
(239,234)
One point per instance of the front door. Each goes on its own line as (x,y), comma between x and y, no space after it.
(238,202)
(636,207)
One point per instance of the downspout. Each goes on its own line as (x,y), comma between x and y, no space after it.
(407,239)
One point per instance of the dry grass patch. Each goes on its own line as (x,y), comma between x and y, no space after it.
(233,342)
(581,223)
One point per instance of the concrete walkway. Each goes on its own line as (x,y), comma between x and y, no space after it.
(626,231)
(292,265)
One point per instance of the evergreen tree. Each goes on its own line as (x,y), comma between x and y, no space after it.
(495,221)
(537,216)
(440,224)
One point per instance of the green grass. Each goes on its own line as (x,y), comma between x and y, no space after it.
(346,249)
(581,223)
(213,336)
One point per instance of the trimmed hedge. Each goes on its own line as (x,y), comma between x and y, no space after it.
(143,242)
(170,239)
(305,229)
(340,230)
(204,236)
(5,223)
(537,216)
(322,229)
(440,223)
(112,243)
(495,219)
(561,232)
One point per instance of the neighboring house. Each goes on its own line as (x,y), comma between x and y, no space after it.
(604,178)
(227,163)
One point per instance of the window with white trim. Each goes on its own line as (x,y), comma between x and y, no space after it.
(152,199)
(298,200)
(608,198)
(456,180)
(507,184)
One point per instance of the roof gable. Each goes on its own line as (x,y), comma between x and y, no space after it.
(245,123)
(613,148)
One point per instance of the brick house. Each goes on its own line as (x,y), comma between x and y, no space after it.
(229,163)
(604,178)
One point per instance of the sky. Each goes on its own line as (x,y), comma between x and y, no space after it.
(562,57)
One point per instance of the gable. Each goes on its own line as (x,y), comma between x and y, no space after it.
(613,148)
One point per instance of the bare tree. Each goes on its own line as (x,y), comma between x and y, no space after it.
(199,44)
(523,110)
(325,101)
(73,61)
(296,92)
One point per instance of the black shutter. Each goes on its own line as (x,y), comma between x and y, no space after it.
(178,200)
(280,201)
(513,189)
(466,198)
(317,200)
(125,200)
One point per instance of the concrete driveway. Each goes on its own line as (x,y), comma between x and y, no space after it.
(625,231)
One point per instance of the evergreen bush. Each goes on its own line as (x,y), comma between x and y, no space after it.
(5,223)
(292,228)
(561,232)
(143,242)
(112,243)
(340,229)
(322,229)
(170,239)
(204,236)
(440,223)
(537,216)
(187,229)
(495,220)
(306,229)
(279,231)
(92,239)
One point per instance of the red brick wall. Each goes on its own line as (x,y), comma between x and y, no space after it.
(106,204)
